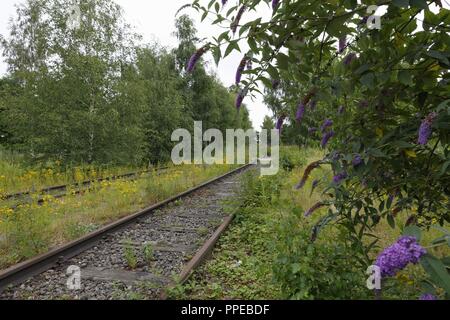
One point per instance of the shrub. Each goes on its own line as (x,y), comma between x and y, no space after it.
(322,270)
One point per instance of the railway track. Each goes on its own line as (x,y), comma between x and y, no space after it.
(60,191)
(137,257)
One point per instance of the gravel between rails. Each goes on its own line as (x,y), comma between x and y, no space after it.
(174,233)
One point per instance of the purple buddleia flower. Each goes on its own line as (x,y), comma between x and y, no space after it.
(314,208)
(300,112)
(312,130)
(425,130)
(427,296)
(240,97)
(349,58)
(326,138)
(364,104)
(396,257)
(341,110)
(342,44)
(224,2)
(314,185)
(275,4)
(340,177)
(240,69)
(392,196)
(275,84)
(307,173)
(326,124)
(236,21)
(280,122)
(335,156)
(357,161)
(194,59)
(249,64)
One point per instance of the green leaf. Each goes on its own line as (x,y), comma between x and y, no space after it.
(401,3)
(273,72)
(427,287)
(391,221)
(421,4)
(362,69)
(252,44)
(368,80)
(266,81)
(431,18)
(232,46)
(381,206)
(413,231)
(402,144)
(223,36)
(443,105)
(204,15)
(439,56)
(441,240)
(446,261)
(437,271)
(377,153)
(405,77)
(337,27)
(283,61)
(444,168)
(389,202)
(217,55)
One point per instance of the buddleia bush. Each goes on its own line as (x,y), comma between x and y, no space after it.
(379,99)
(323,270)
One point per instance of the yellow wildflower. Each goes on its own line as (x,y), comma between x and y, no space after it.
(411,153)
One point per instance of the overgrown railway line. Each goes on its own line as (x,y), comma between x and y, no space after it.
(136,257)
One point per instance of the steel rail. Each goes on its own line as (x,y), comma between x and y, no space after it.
(20,272)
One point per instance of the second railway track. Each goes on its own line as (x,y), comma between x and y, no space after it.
(60,190)
(114,261)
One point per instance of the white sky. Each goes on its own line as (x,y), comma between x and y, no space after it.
(154,20)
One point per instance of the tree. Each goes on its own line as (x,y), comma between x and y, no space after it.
(163,110)
(268,123)
(71,80)
(6,86)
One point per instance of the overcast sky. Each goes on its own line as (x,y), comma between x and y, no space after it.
(155,21)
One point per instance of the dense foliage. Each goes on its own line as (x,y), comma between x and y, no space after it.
(94,94)
(377,99)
